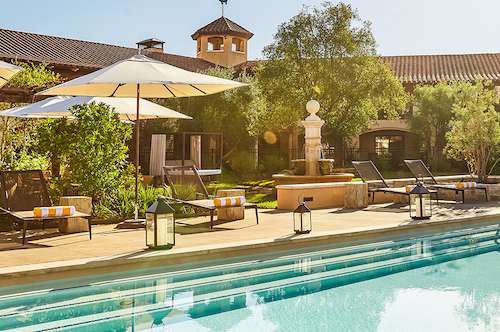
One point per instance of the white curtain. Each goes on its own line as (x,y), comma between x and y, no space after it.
(157,155)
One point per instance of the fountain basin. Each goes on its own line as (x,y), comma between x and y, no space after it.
(280,179)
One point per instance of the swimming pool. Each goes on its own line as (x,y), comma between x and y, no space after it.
(430,283)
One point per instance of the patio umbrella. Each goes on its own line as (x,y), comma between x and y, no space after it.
(7,70)
(144,77)
(57,107)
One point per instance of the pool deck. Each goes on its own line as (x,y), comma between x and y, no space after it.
(50,255)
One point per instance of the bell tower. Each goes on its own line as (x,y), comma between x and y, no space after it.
(222,41)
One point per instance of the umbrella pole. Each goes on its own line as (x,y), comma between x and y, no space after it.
(136,212)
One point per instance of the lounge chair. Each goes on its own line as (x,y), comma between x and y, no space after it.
(376,182)
(177,177)
(22,191)
(421,172)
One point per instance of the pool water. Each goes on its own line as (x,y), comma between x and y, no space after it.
(448,281)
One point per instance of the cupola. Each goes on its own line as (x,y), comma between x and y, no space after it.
(151,44)
(222,42)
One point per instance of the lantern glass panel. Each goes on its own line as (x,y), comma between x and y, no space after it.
(420,206)
(302,222)
(150,231)
(162,229)
(170,228)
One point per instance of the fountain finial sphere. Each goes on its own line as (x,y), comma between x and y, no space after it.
(312,106)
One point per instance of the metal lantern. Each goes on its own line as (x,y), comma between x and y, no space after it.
(302,218)
(420,202)
(160,224)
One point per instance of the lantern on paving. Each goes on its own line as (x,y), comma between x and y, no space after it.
(160,224)
(420,202)
(302,218)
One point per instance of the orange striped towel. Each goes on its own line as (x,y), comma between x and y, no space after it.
(229,201)
(53,211)
(466,184)
(410,188)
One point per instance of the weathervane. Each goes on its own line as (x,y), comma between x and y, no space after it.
(223,2)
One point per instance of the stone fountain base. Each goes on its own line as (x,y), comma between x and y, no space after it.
(280,179)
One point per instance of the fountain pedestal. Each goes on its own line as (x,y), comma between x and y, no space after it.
(314,181)
(312,125)
(313,174)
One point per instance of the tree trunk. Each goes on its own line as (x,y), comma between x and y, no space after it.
(339,151)
(55,167)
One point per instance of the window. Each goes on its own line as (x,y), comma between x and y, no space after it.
(215,44)
(386,144)
(237,45)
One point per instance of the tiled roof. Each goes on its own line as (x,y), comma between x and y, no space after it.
(78,53)
(247,65)
(416,69)
(222,25)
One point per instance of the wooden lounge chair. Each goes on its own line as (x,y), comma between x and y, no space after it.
(421,172)
(176,176)
(376,182)
(22,191)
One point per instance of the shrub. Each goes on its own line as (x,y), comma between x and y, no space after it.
(242,163)
(273,163)
(98,152)
(382,163)
(440,164)
(121,203)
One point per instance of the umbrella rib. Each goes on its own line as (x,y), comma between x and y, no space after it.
(119,85)
(197,89)
(166,87)
(3,78)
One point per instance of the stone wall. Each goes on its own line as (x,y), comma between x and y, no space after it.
(355,194)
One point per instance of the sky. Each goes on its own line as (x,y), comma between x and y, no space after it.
(400,27)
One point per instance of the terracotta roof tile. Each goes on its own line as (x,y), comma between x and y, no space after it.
(416,69)
(222,25)
(78,53)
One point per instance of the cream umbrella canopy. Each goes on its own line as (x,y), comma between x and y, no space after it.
(7,70)
(57,107)
(140,76)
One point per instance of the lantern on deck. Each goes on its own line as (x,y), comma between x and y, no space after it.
(420,202)
(302,218)
(160,224)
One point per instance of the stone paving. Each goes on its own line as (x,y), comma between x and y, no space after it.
(110,248)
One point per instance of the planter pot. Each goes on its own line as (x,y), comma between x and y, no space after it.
(325,166)
(299,166)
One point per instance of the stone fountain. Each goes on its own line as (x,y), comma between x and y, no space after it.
(313,173)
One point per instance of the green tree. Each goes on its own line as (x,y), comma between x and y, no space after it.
(475,127)
(18,136)
(35,76)
(434,110)
(328,54)
(232,112)
(52,140)
(98,151)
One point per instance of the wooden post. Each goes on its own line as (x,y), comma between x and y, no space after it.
(235,213)
(356,195)
(74,225)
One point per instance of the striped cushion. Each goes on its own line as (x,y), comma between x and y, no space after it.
(53,211)
(229,201)
(410,188)
(466,184)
